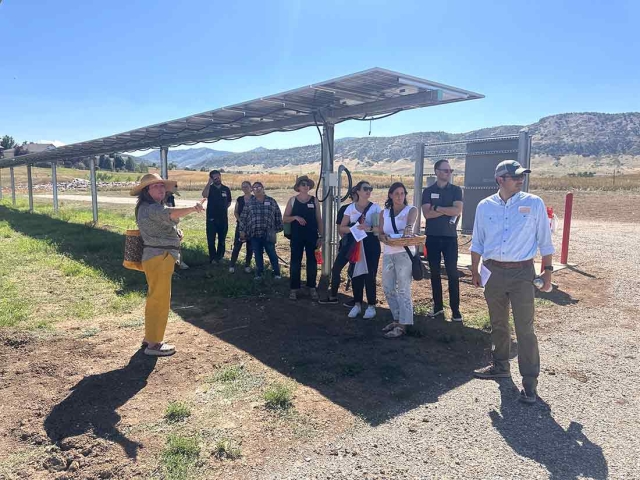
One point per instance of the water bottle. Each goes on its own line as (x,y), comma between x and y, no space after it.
(538,282)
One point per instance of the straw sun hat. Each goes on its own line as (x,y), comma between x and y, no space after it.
(150,179)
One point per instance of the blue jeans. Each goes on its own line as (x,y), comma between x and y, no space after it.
(259,245)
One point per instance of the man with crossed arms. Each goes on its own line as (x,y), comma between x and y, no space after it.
(509,228)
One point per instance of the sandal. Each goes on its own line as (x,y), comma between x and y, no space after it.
(160,350)
(395,332)
(390,327)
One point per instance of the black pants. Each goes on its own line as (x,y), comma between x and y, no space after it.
(368,282)
(216,228)
(237,246)
(299,246)
(447,247)
(338,265)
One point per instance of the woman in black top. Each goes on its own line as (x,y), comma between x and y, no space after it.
(303,213)
(237,244)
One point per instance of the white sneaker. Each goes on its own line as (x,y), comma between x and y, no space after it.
(247,269)
(434,313)
(370,312)
(232,270)
(355,311)
(456,318)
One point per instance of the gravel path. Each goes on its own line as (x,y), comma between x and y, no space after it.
(587,425)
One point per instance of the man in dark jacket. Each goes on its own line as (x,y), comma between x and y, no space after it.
(218,201)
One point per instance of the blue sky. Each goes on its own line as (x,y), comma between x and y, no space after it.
(79,70)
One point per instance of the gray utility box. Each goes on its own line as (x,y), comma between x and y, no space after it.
(481,160)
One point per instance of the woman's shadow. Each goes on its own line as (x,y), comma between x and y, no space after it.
(92,405)
(532,432)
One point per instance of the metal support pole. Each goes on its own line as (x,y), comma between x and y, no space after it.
(566,230)
(94,189)
(164,167)
(0,184)
(417,184)
(328,212)
(30,187)
(524,154)
(13,185)
(54,184)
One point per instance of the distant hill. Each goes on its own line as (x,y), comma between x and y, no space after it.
(187,157)
(554,137)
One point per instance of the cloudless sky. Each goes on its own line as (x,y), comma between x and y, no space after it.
(78,70)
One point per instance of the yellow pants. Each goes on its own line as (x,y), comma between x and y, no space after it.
(158,271)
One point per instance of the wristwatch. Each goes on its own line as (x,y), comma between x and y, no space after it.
(548,268)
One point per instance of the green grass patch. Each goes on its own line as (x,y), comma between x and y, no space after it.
(233,380)
(225,449)
(14,308)
(127,302)
(278,396)
(542,302)
(479,320)
(82,309)
(229,374)
(176,412)
(179,457)
(135,323)
(89,332)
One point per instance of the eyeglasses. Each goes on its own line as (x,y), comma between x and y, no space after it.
(515,178)
(257,187)
(445,170)
(367,189)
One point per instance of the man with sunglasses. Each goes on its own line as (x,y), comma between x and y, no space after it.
(442,207)
(509,228)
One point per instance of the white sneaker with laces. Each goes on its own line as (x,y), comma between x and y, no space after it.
(232,270)
(355,311)
(370,312)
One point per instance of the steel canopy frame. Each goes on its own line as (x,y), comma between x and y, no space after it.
(364,95)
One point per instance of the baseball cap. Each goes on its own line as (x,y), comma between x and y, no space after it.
(510,167)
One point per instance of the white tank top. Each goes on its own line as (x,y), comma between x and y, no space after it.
(401,223)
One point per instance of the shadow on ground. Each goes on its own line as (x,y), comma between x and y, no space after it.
(92,404)
(532,432)
(346,361)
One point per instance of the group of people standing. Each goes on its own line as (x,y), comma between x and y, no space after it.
(510,227)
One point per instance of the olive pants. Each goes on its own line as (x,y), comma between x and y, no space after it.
(513,286)
(158,271)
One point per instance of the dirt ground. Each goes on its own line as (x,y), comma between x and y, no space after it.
(87,407)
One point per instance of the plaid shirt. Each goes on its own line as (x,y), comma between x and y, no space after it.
(258,218)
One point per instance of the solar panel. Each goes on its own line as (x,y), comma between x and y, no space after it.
(360,95)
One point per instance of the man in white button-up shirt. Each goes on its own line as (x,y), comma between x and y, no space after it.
(509,228)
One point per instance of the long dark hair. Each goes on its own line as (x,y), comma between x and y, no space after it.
(144,197)
(354,191)
(389,202)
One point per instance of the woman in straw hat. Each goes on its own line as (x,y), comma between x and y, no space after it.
(303,213)
(158,226)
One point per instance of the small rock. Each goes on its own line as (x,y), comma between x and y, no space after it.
(412,429)
(307,459)
(74,466)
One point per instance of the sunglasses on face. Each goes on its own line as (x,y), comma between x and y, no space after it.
(367,189)
(515,178)
(304,184)
(446,170)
